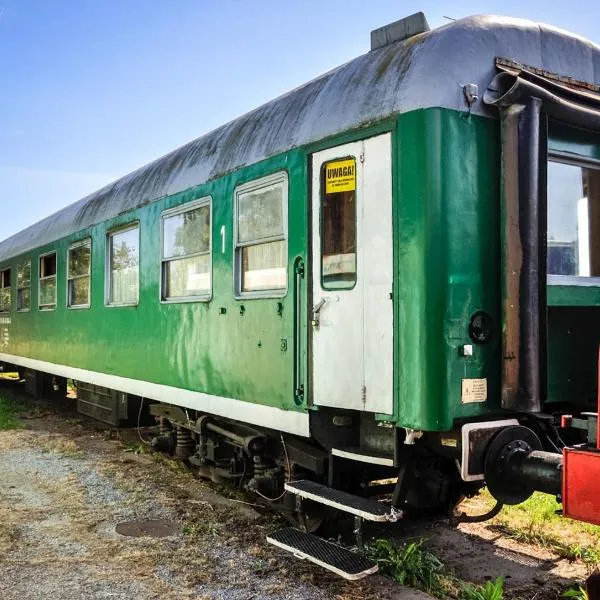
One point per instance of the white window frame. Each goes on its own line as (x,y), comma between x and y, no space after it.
(10,304)
(74,246)
(19,309)
(47,307)
(583,162)
(280,178)
(172,212)
(107,275)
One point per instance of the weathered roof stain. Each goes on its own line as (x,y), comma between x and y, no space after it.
(425,71)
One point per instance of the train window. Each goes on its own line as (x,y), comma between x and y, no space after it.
(186,252)
(24,286)
(47,293)
(261,245)
(338,225)
(5,291)
(123,266)
(79,266)
(573,219)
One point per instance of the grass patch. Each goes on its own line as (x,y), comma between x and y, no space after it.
(578,593)
(537,521)
(409,565)
(491,590)
(415,566)
(10,409)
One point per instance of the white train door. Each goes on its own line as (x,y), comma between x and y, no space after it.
(352,314)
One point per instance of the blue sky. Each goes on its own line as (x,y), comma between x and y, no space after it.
(94,89)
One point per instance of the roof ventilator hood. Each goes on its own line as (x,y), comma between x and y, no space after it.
(399,30)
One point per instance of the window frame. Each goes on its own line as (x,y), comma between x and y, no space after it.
(584,162)
(280,177)
(107,275)
(47,307)
(172,212)
(10,287)
(18,309)
(80,243)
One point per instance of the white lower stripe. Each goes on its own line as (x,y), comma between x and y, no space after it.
(256,414)
(289,487)
(373,460)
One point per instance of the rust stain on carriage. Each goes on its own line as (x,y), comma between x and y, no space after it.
(513,261)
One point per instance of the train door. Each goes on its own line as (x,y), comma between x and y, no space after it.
(352,316)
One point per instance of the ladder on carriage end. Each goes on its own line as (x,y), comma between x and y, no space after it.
(349,564)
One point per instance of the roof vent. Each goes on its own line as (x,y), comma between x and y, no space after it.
(399,30)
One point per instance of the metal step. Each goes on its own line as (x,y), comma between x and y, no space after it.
(362,455)
(341,561)
(368,509)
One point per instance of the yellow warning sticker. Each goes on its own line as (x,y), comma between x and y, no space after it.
(340,176)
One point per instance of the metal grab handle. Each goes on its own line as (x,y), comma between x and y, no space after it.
(298,383)
(316,312)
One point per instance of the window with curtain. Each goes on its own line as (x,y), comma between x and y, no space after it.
(186,252)
(79,267)
(24,286)
(5,290)
(123,266)
(47,281)
(261,244)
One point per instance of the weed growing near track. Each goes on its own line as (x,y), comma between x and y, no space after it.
(410,565)
(538,521)
(414,566)
(577,593)
(491,590)
(10,409)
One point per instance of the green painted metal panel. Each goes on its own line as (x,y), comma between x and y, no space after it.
(215,347)
(448,263)
(573,341)
(572,141)
(573,295)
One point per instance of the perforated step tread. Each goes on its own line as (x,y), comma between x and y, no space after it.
(341,561)
(368,509)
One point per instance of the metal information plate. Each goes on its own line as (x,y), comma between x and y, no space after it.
(474,390)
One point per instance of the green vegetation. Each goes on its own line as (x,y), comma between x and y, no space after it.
(578,593)
(537,521)
(410,565)
(136,448)
(491,590)
(414,566)
(10,408)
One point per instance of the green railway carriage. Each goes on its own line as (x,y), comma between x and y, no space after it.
(386,269)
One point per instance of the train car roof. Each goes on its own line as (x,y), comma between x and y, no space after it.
(426,70)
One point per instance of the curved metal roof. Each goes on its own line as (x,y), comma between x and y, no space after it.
(425,71)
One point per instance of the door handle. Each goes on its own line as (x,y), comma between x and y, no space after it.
(316,311)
